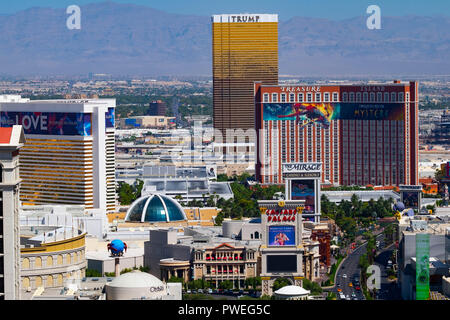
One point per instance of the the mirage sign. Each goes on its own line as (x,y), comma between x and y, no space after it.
(302,169)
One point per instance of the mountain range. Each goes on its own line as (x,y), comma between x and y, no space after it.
(126,39)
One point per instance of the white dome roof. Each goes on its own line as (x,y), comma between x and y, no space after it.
(292,291)
(136,279)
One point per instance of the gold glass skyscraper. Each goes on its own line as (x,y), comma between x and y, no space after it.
(245,49)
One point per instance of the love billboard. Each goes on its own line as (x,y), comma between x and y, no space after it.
(49,123)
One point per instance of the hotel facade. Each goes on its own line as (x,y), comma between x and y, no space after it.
(362,133)
(68,157)
(245,49)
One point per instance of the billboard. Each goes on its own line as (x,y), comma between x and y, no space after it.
(49,123)
(211,171)
(323,113)
(302,170)
(109,118)
(281,236)
(411,199)
(281,263)
(422,266)
(304,190)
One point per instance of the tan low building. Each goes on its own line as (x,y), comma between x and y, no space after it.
(51,257)
(148,122)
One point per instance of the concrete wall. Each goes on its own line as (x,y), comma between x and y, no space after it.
(251,229)
(231,229)
(437,247)
(109,265)
(163,245)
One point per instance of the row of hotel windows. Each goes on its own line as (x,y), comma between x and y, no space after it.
(49,281)
(346,97)
(221,269)
(49,260)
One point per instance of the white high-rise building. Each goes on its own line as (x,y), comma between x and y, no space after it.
(11,140)
(69,154)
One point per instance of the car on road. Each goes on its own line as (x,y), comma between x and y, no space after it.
(344,276)
(210,290)
(357,288)
(347,297)
(339,289)
(350,284)
(200,290)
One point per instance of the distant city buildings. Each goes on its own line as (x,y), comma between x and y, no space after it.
(157,108)
(152,121)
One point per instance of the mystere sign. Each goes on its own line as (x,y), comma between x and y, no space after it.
(302,170)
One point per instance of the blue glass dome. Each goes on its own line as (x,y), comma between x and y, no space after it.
(155,208)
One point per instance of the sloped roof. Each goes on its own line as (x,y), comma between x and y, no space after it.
(5,135)
(12,136)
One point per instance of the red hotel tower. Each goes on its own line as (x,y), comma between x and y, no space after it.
(362,133)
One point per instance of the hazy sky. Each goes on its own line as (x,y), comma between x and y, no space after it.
(331,9)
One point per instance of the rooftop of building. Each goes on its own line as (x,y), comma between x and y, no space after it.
(426,224)
(105,255)
(342,83)
(12,136)
(35,236)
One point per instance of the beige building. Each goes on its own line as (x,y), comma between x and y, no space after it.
(52,257)
(11,140)
(200,254)
(148,122)
(226,262)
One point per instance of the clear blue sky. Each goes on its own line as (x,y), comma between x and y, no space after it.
(330,9)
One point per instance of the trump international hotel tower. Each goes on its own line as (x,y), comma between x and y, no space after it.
(245,49)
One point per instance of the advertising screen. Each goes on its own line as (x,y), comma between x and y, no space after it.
(304,190)
(281,236)
(281,263)
(109,118)
(422,266)
(323,113)
(49,123)
(411,199)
